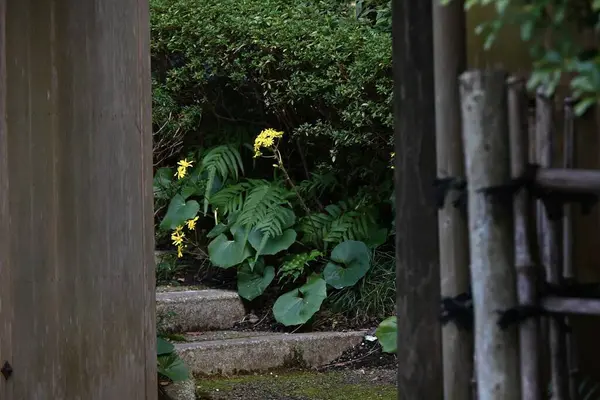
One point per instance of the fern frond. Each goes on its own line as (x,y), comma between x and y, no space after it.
(265,207)
(230,199)
(339,222)
(318,184)
(225,161)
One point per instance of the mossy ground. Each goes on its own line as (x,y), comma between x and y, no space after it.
(336,385)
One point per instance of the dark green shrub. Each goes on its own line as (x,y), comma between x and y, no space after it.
(225,69)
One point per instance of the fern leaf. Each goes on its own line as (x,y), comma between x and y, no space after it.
(224,160)
(340,222)
(229,199)
(262,199)
(318,184)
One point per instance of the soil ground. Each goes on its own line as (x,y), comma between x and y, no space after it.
(364,384)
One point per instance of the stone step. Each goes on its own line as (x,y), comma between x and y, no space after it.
(198,310)
(227,353)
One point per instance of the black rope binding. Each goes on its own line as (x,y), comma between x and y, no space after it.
(505,193)
(553,201)
(518,314)
(458,309)
(568,288)
(442,189)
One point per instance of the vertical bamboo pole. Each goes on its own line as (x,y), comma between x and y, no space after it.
(485,134)
(550,247)
(449,45)
(527,271)
(568,270)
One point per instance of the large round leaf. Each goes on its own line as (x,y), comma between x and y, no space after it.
(217,230)
(299,305)
(265,245)
(377,237)
(179,211)
(252,282)
(350,261)
(161,182)
(172,367)
(227,253)
(387,334)
(163,347)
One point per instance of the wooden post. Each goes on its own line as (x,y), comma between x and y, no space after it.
(76,147)
(485,134)
(528,272)
(568,270)
(417,259)
(550,247)
(6,309)
(449,62)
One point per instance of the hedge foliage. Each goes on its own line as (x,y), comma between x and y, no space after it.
(309,68)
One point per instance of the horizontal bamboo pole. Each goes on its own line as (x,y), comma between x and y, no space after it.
(569,180)
(571,305)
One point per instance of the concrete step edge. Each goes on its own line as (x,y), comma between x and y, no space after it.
(266,352)
(198,310)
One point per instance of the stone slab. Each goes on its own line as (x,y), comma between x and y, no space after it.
(198,310)
(266,352)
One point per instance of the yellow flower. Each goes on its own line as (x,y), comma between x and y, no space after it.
(191,223)
(183,165)
(180,251)
(177,236)
(180,172)
(266,139)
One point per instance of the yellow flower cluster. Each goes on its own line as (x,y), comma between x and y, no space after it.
(183,165)
(178,235)
(266,139)
(177,238)
(191,223)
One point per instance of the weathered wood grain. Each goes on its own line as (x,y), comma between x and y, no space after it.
(80,200)
(6,309)
(417,256)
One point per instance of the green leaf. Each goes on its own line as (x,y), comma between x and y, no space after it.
(162,180)
(299,305)
(163,347)
(266,245)
(172,367)
(350,261)
(179,211)
(219,164)
(377,237)
(387,334)
(252,282)
(582,106)
(217,230)
(527,30)
(295,266)
(227,253)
